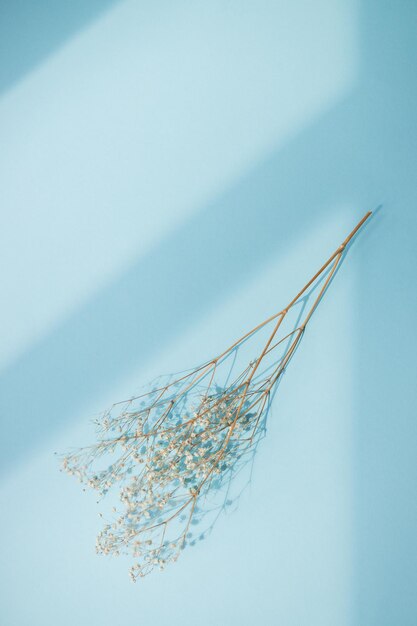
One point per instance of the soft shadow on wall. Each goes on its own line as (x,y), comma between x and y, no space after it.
(31,31)
(189,272)
(165,291)
(384,132)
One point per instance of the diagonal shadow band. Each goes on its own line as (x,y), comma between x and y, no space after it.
(342,157)
(31,31)
(125,323)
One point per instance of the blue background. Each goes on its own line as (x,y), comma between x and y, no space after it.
(170,174)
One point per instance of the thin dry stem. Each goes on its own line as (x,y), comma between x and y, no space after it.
(173,446)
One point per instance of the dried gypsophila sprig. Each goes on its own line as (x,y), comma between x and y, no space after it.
(175,444)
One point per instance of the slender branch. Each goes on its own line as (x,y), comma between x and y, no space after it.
(178,445)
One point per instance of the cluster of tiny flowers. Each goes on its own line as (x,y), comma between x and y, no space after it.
(168,448)
(168,451)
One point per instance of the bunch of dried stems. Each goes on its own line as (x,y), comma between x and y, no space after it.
(172,447)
